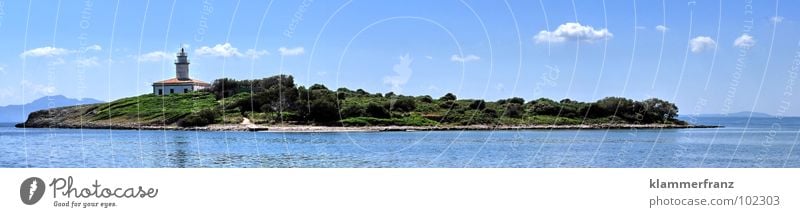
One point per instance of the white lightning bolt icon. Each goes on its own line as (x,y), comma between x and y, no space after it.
(32,189)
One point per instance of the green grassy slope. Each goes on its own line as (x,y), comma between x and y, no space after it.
(152,109)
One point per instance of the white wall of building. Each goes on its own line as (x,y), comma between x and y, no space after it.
(173,89)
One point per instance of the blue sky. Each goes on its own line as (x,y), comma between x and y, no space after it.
(707,56)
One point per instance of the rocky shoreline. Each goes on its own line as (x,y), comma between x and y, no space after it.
(312,128)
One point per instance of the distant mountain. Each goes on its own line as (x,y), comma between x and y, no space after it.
(738,114)
(13,113)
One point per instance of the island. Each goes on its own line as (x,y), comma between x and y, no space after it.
(276,103)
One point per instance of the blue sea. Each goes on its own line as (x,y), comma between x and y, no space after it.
(742,142)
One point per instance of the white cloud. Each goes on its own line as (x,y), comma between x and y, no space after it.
(429,57)
(44,52)
(219,50)
(57,51)
(3,69)
(255,54)
(94,48)
(154,56)
(662,28)
(468,58)
(572,32)
(37,88)
(776,19)
(402,72)
(87,62)
(744,41)
(227,50)
(702,43)
(291,51)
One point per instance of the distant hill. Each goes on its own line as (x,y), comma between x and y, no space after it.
(13,113)
(738,114)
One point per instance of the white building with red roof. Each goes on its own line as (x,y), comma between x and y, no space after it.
(181,83)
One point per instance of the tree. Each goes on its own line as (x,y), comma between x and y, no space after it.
(426,99)
(544,106)
(490,113)
(283,82)
(404,104)
(448,97)
(659,110)
(477,104)
(352,110)
(571,108)
(224,87)
(302,105)
(617,106)
(318,87)
(342,93)
(344,90)
(277,92)
(323,109)
(449,104)
(376,111)
(513,110)
(516,100)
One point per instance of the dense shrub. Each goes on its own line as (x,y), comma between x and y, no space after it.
(425,99)
(477,105)
(353,110)
(513,110)
(543,106)
(448,97)
(324,109)
(516,100)
(413,120)
(317,103)
(448,105)
(404,104)
(361,92)
(201,118)
(376,111)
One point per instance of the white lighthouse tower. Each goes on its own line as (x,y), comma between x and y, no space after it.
(182,83)
(182,66)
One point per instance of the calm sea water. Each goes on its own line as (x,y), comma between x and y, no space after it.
(764,142)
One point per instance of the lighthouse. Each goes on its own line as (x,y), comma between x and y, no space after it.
(181,83)
(182,66)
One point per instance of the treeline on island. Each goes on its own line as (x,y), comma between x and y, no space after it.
(278,100)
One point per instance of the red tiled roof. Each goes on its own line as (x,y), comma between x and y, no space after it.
(175,81)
